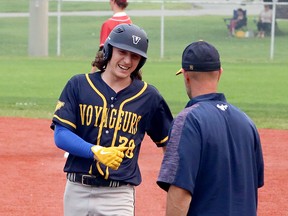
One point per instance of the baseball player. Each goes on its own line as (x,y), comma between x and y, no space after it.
(213,164)
(119,17)
(101,119)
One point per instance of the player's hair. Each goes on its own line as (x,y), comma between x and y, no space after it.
(121,3)
(127,37)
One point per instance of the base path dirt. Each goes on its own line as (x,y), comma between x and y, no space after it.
(32,179)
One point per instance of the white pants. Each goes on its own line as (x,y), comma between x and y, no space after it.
(80,200)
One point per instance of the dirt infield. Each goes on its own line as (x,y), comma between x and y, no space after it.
(32,181)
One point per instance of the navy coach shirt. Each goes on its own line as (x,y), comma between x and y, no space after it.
(214,152)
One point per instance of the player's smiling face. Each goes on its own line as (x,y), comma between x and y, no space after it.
(122,63)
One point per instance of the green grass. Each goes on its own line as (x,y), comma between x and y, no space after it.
(30,87)
(23,6)
(81,40)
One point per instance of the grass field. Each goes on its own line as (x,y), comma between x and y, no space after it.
(30,86)
(23,5)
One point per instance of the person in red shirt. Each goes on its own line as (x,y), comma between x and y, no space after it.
(119,17)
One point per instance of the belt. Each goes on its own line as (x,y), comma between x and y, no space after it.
(91,180)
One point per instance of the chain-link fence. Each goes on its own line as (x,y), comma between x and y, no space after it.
(74,27)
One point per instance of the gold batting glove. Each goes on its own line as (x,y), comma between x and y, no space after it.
(109,156)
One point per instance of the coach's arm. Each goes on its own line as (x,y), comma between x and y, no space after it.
(178,201)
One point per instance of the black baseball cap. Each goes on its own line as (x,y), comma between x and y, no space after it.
(200,56)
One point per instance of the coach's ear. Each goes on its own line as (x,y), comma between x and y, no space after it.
(186,75)
(220,73)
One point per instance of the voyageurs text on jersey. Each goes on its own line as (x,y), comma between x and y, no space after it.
(92,110)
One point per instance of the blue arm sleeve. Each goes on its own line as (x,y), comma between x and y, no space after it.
(72,143)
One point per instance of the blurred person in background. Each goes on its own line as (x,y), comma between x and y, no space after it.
(264,22)
(238,22)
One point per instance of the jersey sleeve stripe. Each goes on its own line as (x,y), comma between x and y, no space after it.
(65,121)
(162,141)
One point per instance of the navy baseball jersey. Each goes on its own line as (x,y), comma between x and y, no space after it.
(214,152)
(91,109)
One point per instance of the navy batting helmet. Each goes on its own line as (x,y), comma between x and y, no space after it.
(127,37)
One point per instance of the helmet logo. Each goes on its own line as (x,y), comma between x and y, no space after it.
(136,39)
